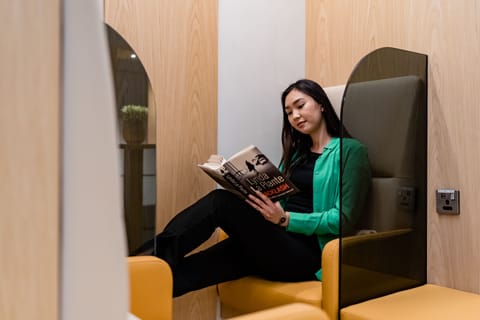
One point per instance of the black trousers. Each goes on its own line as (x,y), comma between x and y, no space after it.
(255,246)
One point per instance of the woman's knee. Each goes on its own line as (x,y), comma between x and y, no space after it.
(222,197)
(222,193)
(226,205)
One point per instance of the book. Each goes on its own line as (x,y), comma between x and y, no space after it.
(247,171)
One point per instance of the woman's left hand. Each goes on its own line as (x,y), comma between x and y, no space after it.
(271,211)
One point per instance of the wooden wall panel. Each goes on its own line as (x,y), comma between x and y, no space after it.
(340,32)
(177,43)
(30,159)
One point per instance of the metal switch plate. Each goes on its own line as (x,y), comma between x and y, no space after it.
(448,201)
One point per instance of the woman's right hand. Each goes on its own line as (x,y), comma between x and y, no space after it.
(271,211)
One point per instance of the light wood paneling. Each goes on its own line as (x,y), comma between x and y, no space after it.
(29,159)
(177,43)
(340,32)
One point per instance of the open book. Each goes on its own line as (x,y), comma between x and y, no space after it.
(249,170)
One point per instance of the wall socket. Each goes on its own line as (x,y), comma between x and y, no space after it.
(406,198)
(448,201)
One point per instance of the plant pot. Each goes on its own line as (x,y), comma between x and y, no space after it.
(134,130)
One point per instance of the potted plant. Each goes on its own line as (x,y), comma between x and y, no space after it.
(134,120)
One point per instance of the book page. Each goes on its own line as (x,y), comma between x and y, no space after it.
(215,172)
(218,173)
(215,161)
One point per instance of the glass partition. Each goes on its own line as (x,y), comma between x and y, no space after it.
(385,108)
(136,135)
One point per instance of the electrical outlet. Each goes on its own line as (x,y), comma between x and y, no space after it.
(448,201)
(406,198)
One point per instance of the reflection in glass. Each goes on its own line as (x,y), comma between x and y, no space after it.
(132,88)
(384,107)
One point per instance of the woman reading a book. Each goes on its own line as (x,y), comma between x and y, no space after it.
(279,241)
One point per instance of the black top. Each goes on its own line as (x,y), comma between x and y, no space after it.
(302,177)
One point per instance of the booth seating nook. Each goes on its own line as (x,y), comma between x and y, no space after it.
(356,285)
(251,294)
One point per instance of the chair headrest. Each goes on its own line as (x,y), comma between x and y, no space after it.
(335,95)
(382,115)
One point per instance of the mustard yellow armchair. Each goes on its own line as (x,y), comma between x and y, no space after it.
(151,288)
(394,162)
(253,294)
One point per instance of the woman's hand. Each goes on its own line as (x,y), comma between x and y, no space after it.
(271,211)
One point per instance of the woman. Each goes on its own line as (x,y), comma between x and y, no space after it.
(276,241)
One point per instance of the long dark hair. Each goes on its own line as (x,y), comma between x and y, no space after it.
(296,145)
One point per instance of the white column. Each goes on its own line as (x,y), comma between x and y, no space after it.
(261,51)
(94,276)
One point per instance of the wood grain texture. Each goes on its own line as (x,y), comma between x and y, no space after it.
(177,43)
(449,33)
(30,160)
(152,117)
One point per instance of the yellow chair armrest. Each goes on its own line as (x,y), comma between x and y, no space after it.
(151,288)
(331,266)
(330,278)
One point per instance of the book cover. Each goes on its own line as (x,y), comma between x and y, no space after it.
(249,170)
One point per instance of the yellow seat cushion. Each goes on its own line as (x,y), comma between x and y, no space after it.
(371,283)
(252,294)
(424,302)
(293,311)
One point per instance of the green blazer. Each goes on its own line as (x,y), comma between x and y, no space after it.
(324,221)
